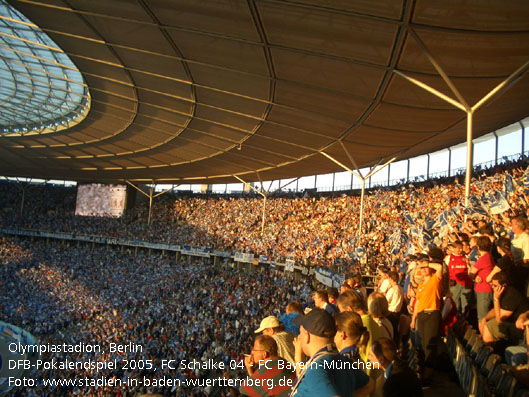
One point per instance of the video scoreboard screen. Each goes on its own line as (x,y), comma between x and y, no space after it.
(101,200)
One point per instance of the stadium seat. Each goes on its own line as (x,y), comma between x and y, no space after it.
(480,385)
(470,337)
(467,378)
(489,365)
(476,347)
(481,357)
(470,342)
(496,374)
(506,384)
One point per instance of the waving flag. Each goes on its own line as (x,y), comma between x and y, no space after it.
(501,205)
(508,186)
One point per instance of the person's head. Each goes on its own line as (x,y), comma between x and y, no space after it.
(294,307)
(486,230)
(484,244)
(383,351)
(332,294)
(518,225)
(499,280)
(472,226)
(473,242)
(423,268)
(357,279)
(503,244)
(350,331)
(481,224)
(457,248)
(351,301)
(270,326)
(436,255)
(320,298)
(345,287)
(377,305)
(393,278)
(383,272)
(264,347)
(316,329)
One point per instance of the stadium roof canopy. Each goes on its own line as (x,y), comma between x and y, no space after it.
(198,91)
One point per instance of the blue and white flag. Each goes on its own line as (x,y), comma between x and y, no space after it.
(475,206)
(359,253)
(397,241)
(508,186)
(427,237)
(409,219)
(501,205)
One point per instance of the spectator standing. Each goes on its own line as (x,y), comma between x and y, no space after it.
(427,313)
(316,333)
(479,272)
(460,282)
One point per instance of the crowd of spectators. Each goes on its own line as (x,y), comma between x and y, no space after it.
(318,231)
(439,259)
(175,311)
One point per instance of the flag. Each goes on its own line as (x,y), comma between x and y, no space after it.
(475,206)
(501,205)
(508,186)
(395,241)
(408,218)
(359,253)
(427,237)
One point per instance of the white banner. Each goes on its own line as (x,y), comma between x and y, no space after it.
(243,257)
(289,265)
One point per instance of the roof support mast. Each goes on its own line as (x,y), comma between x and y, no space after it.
(372,171)
(150,195)
(263,194)
(461,103)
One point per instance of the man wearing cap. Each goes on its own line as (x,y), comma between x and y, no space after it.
(271,326)
(271,375)
(326,373)
(427,312)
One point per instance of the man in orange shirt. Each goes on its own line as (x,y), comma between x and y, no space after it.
(426,320)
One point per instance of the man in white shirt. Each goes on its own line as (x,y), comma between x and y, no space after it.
(520,242)
(395,294)
(395,298)
(383,284)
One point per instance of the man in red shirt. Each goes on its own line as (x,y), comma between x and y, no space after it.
(479,272)
(269,374)
(460,282)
